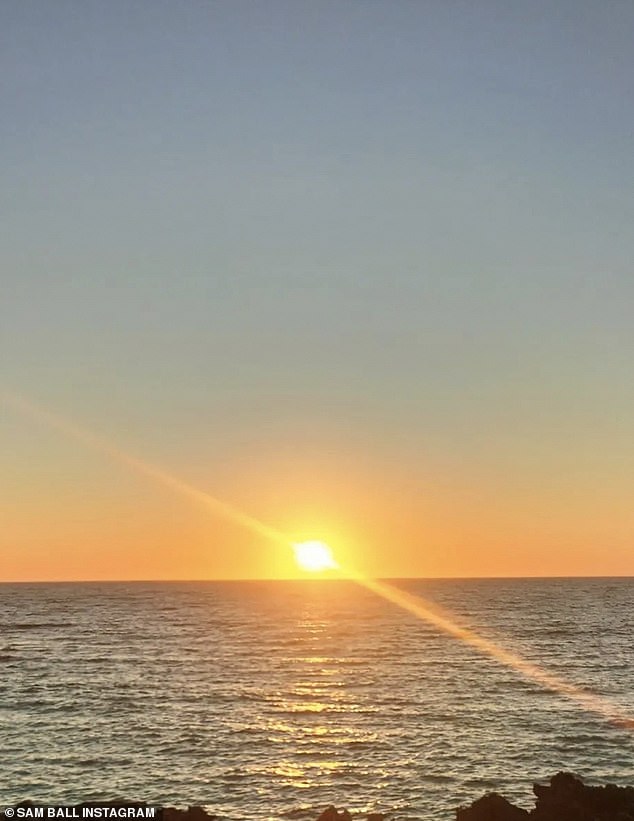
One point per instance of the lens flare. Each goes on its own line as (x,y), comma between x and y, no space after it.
(316,556)
(444,620)
(142,467)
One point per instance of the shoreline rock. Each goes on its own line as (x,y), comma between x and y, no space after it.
(564,798)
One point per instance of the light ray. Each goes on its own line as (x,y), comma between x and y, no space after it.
(157,474)
(445,621)
(415,605)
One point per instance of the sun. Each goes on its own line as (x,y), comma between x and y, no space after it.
(314,556)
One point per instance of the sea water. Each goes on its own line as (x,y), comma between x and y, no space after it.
(270,700)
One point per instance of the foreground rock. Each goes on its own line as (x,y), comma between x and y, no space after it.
(333,814)
(491,807)
(566,798)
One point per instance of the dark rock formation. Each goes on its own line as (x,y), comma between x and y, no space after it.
(331,814)
(566,798)
(491,807)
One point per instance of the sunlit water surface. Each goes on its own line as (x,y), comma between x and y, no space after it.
(270,700)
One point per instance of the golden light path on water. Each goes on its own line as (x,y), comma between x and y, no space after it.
(416,605)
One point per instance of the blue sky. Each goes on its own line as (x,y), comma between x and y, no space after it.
(396,229)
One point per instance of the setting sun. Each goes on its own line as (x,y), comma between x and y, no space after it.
(314,556)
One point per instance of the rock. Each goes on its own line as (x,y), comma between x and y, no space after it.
(190,814)
(564,798)
(567,798)
(331,814)
(491,807)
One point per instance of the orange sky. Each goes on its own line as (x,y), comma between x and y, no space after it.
(72,512)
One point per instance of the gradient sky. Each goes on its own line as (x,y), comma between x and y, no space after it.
(363,269)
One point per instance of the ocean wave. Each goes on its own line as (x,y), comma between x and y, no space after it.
(34,625)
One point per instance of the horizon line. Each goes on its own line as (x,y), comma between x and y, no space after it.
(309,579)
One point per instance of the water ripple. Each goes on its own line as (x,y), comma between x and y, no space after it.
(272,700)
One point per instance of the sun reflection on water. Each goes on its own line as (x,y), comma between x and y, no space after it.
(319,707)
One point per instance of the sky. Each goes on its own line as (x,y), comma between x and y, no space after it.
(361,269)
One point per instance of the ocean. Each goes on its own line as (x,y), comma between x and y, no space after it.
(264,701)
